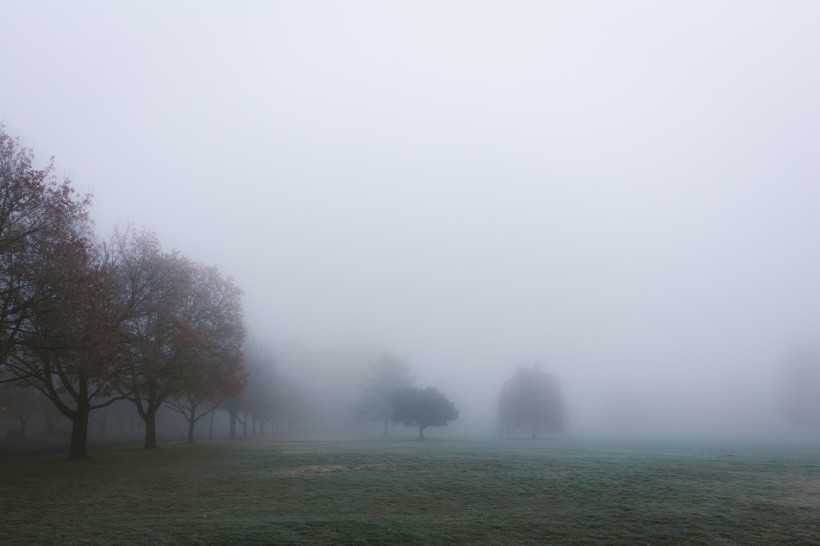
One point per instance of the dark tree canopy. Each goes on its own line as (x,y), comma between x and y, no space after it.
(57,318)
(384,377)
(422,408)
(88,323)
(42,221)
(531,402)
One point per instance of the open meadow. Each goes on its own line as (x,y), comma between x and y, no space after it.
(405,491)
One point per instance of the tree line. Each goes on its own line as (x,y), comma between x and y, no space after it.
(88,322)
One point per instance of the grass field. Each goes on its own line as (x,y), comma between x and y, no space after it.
(404,491)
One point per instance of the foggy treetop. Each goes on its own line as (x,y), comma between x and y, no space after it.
(628,191)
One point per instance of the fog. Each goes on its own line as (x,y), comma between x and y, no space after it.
(627,193)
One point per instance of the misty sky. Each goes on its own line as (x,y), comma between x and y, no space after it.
(626,191)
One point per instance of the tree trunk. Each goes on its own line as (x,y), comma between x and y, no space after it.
(150,419)
(79,432)
(191,423)
(232,413)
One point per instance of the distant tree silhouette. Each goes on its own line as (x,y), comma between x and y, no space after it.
(21,401)
(259,401)
(531,402)
(384,377)
(422,408)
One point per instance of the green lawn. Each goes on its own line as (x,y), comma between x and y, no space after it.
(404,491)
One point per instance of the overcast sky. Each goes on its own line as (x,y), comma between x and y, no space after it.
(627,191)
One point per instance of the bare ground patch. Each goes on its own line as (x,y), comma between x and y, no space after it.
(427,467)
(329,468)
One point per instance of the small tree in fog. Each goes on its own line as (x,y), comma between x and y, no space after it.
(531,402)
(422,408)
(384,377)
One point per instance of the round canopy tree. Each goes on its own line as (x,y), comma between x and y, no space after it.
(531,402)
(422,408)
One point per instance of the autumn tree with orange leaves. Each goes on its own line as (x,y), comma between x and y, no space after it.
(69,345)
(182,329)
(57,320)
(38,216)
(210,346)
(151,286)
(89,323)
